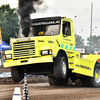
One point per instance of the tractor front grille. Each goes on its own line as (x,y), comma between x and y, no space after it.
(23,49)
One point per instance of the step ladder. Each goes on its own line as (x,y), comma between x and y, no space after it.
(71,60)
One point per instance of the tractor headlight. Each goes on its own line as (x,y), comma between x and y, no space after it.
(8,56)
(46,52)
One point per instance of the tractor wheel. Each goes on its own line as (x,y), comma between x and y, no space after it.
(54,81)
(60,68)
(17,73)
(92,81)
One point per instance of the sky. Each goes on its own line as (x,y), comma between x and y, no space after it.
(69,8)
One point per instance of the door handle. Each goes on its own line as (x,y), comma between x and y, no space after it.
(71,44)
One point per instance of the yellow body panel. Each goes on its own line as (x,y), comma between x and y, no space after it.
(83,66)
(44,59)
(93,57)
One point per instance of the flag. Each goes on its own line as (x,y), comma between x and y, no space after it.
(0,37)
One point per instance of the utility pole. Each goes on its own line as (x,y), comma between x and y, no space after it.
(91,28)
(75,24)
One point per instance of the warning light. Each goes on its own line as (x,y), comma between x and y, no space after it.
(63,17)
(98,61)
(98,53)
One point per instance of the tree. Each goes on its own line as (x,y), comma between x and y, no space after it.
(79,42)
(95,41)
(8,22)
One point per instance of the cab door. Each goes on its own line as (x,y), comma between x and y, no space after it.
(68,39)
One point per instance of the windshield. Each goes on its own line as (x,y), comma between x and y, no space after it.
(43,28)
(46,30)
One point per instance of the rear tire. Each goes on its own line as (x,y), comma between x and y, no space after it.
(17,73)
(54,81)
(92,81)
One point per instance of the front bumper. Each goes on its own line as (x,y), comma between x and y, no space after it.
(20,62)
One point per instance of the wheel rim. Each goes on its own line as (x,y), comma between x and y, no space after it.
(97,75)
(64,68)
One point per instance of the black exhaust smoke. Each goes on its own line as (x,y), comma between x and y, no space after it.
(25,8)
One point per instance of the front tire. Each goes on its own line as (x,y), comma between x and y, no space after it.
(17,73)
(92,81)
(60,68)
(61,75)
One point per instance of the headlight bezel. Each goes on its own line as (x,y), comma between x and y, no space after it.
(46,52)
(8,56)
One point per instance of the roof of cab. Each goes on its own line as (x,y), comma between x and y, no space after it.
(50,18)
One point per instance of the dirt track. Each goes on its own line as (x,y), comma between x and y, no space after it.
(42,91)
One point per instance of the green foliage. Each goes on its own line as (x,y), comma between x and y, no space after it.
(79,42)
(95,41)
(8,22)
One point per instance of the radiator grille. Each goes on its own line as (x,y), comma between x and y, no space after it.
(24,49)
